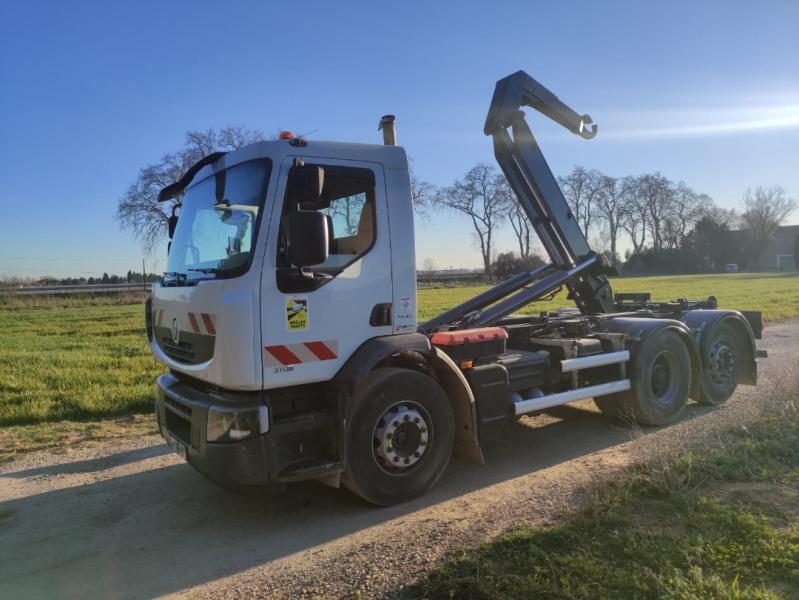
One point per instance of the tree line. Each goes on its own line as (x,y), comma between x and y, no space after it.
(661,222)
(667,226)
(105,278)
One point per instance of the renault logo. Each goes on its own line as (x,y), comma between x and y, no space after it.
(175,331)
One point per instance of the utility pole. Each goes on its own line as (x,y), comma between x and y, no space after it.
(144,276)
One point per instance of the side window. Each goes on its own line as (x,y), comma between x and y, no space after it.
(350,227)
(345,214)
(348,202)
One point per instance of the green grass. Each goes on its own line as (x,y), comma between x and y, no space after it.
(82,359)
(776,294)
(73,360)
(719,523)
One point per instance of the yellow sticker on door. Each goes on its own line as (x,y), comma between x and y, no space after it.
(297,314)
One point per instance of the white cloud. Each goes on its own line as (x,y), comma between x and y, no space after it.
(700,122)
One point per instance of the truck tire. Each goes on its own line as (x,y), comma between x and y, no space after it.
(721,366)
(400,435)
(661,381)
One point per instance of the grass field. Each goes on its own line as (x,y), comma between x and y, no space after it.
(720,522)
(79,361)
(777,295)
(82,360)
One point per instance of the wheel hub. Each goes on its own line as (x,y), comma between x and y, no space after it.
(661,377)
(722,363)
(400,436)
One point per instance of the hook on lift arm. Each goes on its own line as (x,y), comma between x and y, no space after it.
(585,133)
(519,89)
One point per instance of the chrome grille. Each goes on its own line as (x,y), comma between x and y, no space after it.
(181,351)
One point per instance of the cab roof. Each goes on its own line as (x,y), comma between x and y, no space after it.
(391,157)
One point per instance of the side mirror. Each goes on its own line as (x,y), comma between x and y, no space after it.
(173,222)
(305,183)
(308,238)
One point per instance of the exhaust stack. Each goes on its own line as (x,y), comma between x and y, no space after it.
(389,128)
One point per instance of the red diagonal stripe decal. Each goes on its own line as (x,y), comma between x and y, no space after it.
(194,324)
(209,324)
(321,351)
(283,354)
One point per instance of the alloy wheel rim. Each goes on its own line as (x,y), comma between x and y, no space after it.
(721,365)
(401,437)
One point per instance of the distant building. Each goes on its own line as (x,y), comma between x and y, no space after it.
(778,253)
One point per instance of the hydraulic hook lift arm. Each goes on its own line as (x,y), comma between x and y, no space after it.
(573,264)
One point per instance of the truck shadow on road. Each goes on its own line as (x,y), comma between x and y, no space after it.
(101,463)
(164,528)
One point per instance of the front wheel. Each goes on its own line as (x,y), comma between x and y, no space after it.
(661,382)
(400,435)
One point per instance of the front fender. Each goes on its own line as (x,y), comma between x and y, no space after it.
(375,350)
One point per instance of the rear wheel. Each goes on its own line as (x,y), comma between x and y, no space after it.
(400,435)
(721,366)
(661,383)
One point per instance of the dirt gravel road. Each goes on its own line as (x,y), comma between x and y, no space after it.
(134,521)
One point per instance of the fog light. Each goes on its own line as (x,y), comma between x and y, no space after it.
(235,424)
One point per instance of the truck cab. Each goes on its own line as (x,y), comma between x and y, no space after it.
(234,318)
(232,311)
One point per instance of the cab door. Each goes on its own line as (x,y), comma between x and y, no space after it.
(312,322)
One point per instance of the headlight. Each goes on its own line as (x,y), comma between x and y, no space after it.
(235,424)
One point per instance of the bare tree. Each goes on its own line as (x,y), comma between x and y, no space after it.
(347,211)
(636,217)
(613,205)
(656,193)
(686,207)
(581,188)
(422,193)
(139,210)
(429,269)
(481,196)
(519,222)
(522,229)
(764,210)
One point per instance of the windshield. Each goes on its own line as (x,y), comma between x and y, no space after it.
(217,222)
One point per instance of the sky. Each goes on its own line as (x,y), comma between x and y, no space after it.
(705,92)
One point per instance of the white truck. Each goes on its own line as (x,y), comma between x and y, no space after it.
(287,320)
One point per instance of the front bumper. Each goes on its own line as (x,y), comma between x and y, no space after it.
(182,413)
